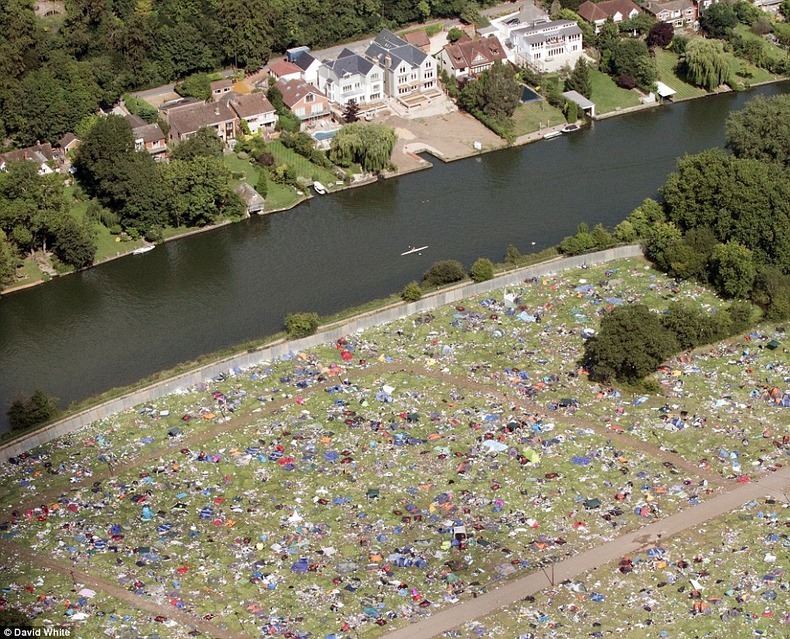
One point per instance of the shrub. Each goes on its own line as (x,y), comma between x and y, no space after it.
(26,412)
(411,292)
(444,272)
(512,255)
(301,324)
(626,81)
(264,158)
(482,270)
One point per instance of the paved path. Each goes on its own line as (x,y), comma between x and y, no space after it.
(618,547)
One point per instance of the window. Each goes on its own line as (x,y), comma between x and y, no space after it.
(300,111)
(309,97)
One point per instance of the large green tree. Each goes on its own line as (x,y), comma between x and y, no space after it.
(733,269)
(198,191)
(367,144)
(761,130)
(718,20)
(630,344)
(495,93)
(740,200)
(705,63)
(579,79)
(631,58)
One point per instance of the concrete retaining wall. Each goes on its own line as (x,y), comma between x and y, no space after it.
(273,352)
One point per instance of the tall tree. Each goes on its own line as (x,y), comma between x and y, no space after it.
(630,344)
(705,63)
(579,79)
(660,35)
(632,58)
(368,144)
(761,130)
(718,20)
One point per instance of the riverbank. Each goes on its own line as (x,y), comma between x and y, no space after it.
(448,136)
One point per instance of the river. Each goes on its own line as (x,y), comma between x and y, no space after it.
(114,324)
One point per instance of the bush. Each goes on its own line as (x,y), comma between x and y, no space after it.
(411,292)
(482,270)
(631,343)
(444,272)
(625,81)
(264,158)
(512,255)
(28,412)
(301,324)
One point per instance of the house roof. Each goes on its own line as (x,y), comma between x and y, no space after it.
(654,8)
(545,30)
(417,38)
(664,90)
(251,197)
(279,68)
(349,63)
(225,83)
(531,12)
(193,117)
(247,106)
(67,139)
(295,90)
(304,61)
(606,9)
(148,133)
(387,43)
(578,98)
(468,53)
(134,121)
(40,153)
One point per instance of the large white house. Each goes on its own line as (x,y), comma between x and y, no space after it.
(351,77)
(548,46)
(407,69)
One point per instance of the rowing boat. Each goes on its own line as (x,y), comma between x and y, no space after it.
(414,250)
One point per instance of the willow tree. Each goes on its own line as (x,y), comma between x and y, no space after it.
(370,145)
(706,63)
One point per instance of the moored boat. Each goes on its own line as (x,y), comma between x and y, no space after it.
(144,249)
(570,128)
(552,134)
(319,188)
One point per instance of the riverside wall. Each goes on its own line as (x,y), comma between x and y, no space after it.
(275,351)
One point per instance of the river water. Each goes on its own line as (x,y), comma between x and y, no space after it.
(114,324)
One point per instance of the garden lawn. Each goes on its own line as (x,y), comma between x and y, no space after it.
(667,62)
(278,196)
(746,72)
(533,116)
(607,96)
(303,167)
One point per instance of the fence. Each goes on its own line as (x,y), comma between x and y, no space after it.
(273,352)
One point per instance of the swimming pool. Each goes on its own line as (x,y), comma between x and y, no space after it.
(322,136)
(528,95)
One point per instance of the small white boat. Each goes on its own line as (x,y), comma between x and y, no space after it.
(319,188)
(570,128)
(144,249)
(414,250)
(552,134)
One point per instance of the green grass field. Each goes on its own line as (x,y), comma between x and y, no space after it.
(667,62)
(533,116)
(608,96)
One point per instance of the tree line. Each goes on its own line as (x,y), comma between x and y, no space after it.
(722,221)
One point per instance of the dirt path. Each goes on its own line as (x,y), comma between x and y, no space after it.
(618,547)
(9,549)
(457,615)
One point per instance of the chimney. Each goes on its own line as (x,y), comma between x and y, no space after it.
(216,110)
(388,60)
